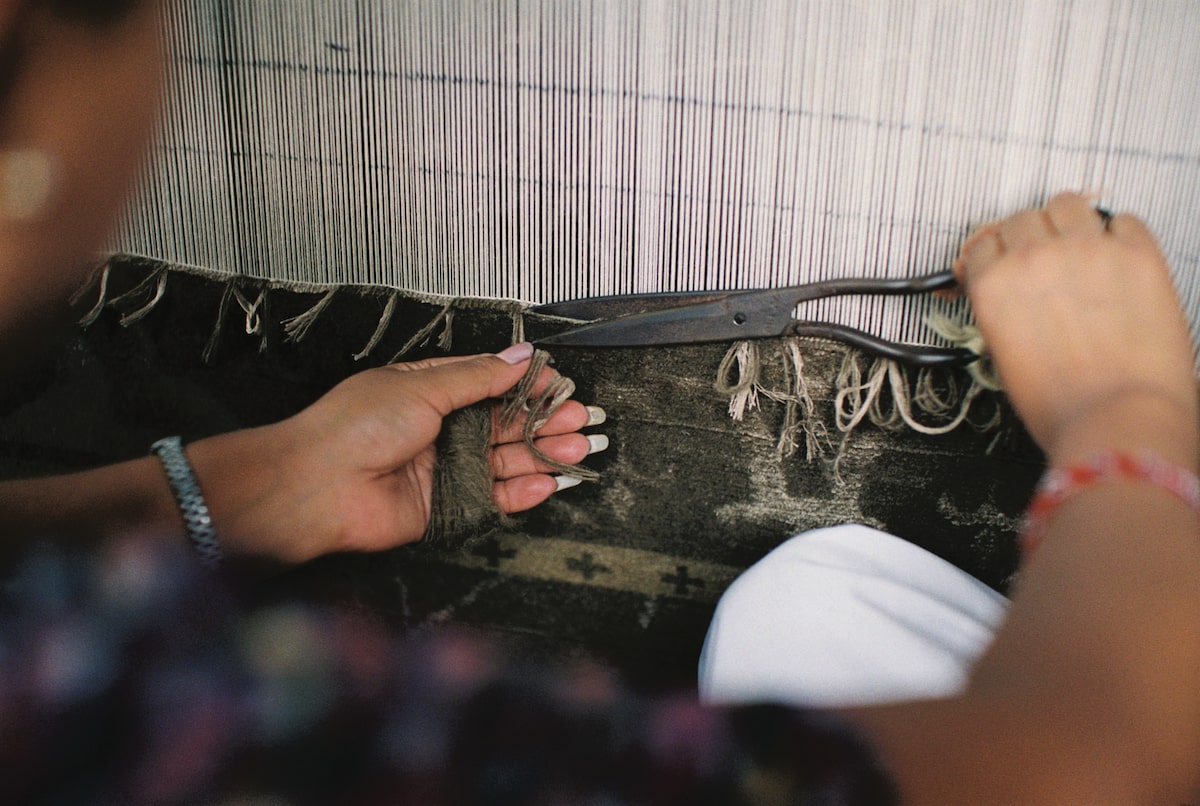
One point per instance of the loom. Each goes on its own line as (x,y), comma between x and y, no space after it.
(337,184)
(540,151)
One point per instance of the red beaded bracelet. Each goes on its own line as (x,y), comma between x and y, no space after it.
(1060,483)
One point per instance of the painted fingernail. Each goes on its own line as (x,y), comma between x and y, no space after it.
(596,415)
(516,354)
(564,482)
(597,443)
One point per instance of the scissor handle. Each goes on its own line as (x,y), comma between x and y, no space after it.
(897,286)
(614,305)
(909,354)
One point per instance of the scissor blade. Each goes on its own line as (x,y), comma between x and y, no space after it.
(732,317)
(624,304)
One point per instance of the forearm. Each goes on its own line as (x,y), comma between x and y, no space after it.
(258,526)
(87,507)
(1090,688)
(268,512)
(1104,635)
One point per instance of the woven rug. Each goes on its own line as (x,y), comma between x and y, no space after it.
(627,569)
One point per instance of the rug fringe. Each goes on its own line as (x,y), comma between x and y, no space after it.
(444,317)
(885,393)
(214,339)
(296,328)
(739,377)
(800,411)
(160,289)
(385,319)
(92,315)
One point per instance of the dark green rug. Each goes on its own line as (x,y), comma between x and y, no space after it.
(627,569)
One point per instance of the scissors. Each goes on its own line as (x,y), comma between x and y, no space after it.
(636,320)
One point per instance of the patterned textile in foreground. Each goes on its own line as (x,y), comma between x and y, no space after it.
(135,677)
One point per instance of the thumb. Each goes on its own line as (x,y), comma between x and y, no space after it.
(455,384)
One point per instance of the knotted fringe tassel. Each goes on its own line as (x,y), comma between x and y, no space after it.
(462,504)
(159,278)
(858,398)
(92,315)
(385,319)
(296,328)
(960,334)
(253,318)
(740,377)
(886,398)
(445,317)
(885,395)
(799,414)
(214,340)
(741,386)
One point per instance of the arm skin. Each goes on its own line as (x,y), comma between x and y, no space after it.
(353,472)
(81,507)
(1091,692)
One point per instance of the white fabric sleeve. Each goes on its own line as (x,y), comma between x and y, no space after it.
(844,616)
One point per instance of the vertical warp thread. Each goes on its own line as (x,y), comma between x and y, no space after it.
(572,149)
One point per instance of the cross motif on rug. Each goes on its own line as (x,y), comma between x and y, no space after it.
(681,580)
(586,566)
(491,550)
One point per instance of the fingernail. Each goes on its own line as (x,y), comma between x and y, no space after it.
(597,443)
(564,482)
(596,415)
(516,354)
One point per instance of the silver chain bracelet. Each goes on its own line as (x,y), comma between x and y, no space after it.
(196,518)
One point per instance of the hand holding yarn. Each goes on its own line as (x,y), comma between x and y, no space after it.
(354,471)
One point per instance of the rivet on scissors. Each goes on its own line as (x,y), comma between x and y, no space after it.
(739,318)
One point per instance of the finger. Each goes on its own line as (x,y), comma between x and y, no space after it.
(980,245)
(450,385)
(1073,214)
(430,363)
(983,252)
(1132,231)
(544,379)
(571,416)
(1027,227)
(984,231)
(526,492)
(515,459)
